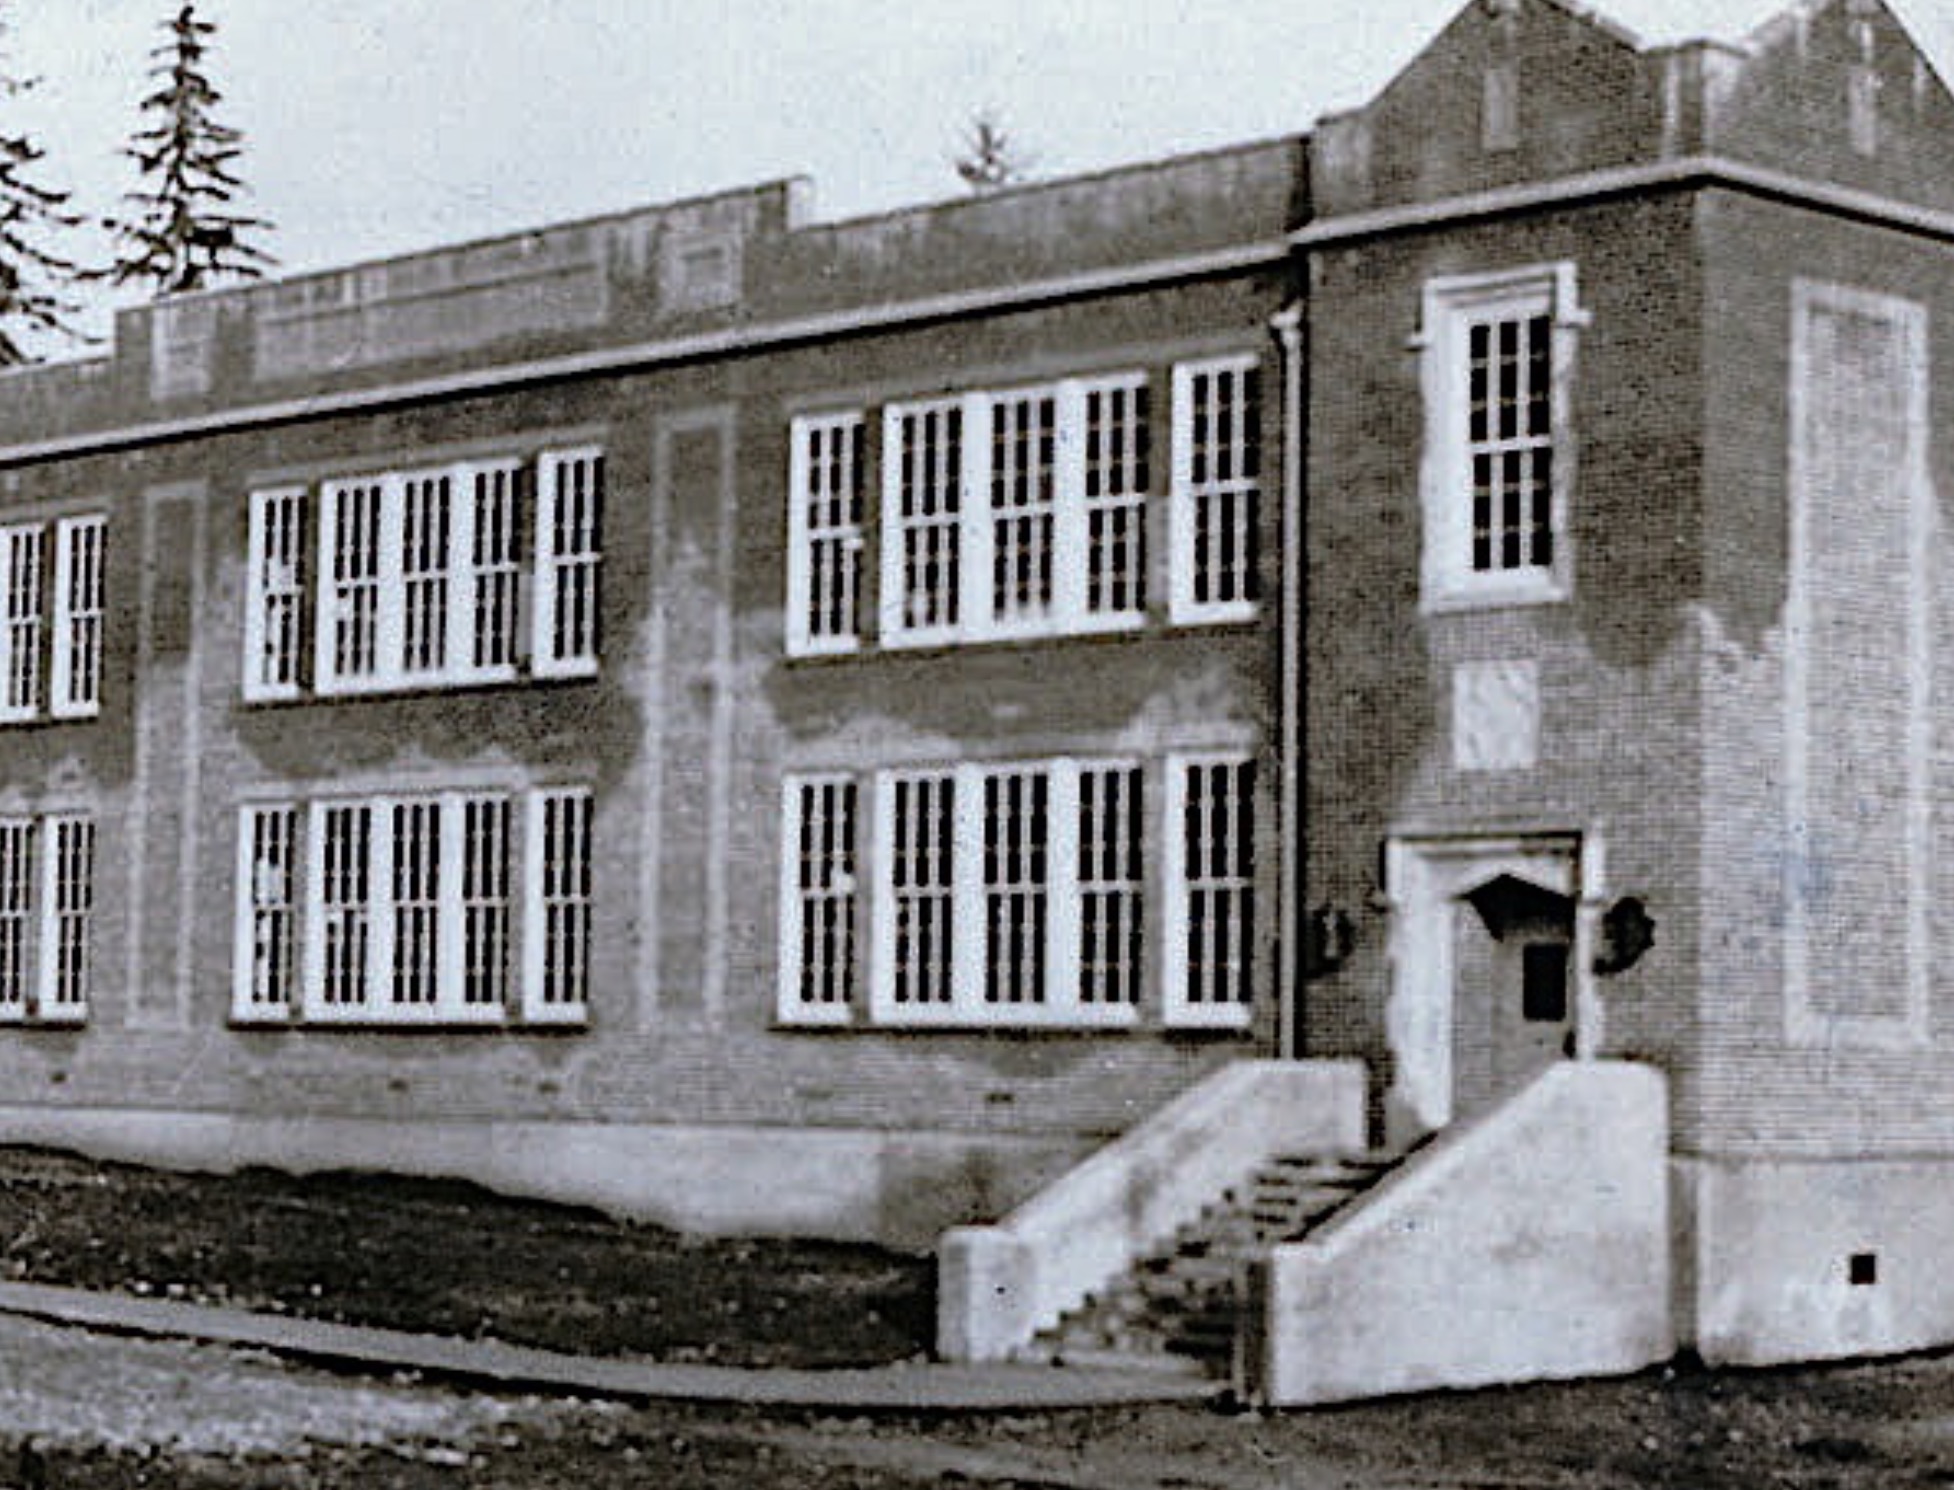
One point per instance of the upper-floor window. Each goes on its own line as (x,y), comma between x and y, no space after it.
(468,907)
(449,576)
(1024,512)
(1498,367)
(52,577)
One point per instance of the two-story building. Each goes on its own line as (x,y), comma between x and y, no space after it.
(768,723)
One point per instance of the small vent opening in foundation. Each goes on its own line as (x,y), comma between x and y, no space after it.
(1862,1269)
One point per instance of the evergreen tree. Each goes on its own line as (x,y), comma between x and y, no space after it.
(34,274)
(181,232)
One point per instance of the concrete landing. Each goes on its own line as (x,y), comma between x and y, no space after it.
(491,1363)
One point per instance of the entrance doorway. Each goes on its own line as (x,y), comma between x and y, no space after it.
(1487,973)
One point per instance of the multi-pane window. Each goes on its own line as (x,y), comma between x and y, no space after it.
(824,539)
(817,925)
(1011,896)
(1016,895)
(417,579)
(1015,513)
(1024,512)
(1510,442)
(47,904)
(1211,889)
(1498,350)
(430,908)
(1217,489)
(52,601)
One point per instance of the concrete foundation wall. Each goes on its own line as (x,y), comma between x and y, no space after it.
(897,1189)
(1766,1267)
(1529,1244)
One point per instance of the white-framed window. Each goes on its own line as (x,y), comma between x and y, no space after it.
(47,906)
(818,900)
(824,533)
(80,577)
(1015,513)
(53,578)
(1209,844)
(1007,895)
(1498,360)
(426,578)
(1216,491)
(414,909)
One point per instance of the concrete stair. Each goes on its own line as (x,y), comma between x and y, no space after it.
(1176,1308)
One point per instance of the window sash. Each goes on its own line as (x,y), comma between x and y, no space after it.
(1011,513)
(265,968)
(819,930)
(824,534)
(1215,501)
(1209,950)
(560,894)
(569,556)
(47,905)
(274,617)
(22,598)
(978,898)
(79,579)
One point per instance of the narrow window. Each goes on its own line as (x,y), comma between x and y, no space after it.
(21,553)
(268,913)
(349,613)
(1117,475)
(416,903)
(1211,891)
(1024,507)
(1217,490)
(818,911)
(495,559)
(924,821)
(923,462)
(344,896)
(1017,906)
(17,875)
(275,605)
(560,904)
(569,551)
(825,534)
(427,520)
(485,903)
(78,610)
(1497,349)
(67,910)
(1110,886)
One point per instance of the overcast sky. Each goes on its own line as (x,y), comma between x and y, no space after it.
(379,126)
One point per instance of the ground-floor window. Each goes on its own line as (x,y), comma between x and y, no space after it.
(47,901)
(1019,895)
(431,908)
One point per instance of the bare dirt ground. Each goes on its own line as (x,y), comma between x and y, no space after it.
(100,1413)
(447,1258)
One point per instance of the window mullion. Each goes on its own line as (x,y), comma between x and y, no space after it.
(1062,916)
(967,918)
(882,919)
(390,629)
(325,588)
(450,957)
(380,911)
(975,612)
(1069,516)
(43,838)
(800,560)
(312,915)
(463,575)
(60,678)
(1174,923)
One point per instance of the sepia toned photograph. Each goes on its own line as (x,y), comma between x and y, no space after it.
(1105,745)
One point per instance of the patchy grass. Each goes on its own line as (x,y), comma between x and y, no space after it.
(449,1258)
